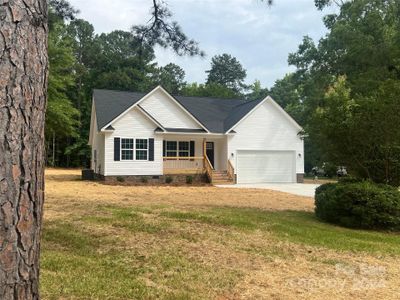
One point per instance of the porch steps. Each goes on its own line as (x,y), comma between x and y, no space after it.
(221,177)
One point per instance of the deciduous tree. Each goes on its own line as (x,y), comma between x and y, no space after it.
(362,44)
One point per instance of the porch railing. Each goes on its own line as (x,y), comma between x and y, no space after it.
(231,171)
(183,164)
(208,168)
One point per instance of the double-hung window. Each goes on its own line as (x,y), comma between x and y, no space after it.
(126,149)
(142,149)
(134,149)
(184,149)
(171,149)
(177,149)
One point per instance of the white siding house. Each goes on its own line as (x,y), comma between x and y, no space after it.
(267,138)
(156,134)
(133,125)
(166,111)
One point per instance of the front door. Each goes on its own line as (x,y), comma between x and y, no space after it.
(210,152)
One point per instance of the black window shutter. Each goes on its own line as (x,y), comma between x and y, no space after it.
(117,147)
(192,148)
(163,148)
(151,149)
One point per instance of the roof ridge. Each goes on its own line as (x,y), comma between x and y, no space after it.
(205,97)
(247,102)
(119,91)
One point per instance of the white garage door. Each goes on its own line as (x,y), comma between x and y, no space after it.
(265,166)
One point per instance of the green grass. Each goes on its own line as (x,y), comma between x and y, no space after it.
(131,219)
(72,264)
(82,261)
(78,262)
(297,227)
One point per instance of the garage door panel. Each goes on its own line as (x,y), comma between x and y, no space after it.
(265,166)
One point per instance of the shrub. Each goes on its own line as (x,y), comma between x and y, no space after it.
(330,170)
(359,205)
(189,179)
(120,179)
(168,179)
(350,179)
(144,179)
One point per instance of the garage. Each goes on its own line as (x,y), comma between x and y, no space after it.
(255,166)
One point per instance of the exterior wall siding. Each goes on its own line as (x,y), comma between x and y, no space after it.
(133,124)
(98,145)
(167,112)
(221,153)
(266,128)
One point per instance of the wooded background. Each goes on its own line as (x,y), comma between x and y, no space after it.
(359,58)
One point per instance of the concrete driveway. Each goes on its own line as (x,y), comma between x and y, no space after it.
(301,189)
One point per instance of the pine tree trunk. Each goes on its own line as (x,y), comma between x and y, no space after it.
(23,95)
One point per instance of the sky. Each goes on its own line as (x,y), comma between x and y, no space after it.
(260,37)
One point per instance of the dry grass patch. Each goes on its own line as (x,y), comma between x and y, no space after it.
(65,184)
(119,242)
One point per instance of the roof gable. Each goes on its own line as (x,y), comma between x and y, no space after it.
(211,114)
(272,105)
(238,113)
(110,104)
(168,111)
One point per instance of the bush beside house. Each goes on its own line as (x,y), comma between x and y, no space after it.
(359,204)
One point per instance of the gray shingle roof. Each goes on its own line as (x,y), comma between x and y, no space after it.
(217,115)
(238,113)
(110,104)
(211,112)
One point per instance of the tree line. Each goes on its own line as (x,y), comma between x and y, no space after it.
(343,91)
(81,60)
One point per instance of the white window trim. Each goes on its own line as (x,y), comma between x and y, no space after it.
(147,149)
(166,148)
(188,150)
(120,148)
(177,148)
(134,149)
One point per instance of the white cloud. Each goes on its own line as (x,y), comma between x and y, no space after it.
(260,37)
(106,15)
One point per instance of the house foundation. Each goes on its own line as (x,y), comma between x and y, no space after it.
(300,178)
(173,179)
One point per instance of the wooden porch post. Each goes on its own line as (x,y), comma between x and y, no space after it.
(204,153)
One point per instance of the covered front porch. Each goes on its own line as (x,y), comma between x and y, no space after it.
(196,153)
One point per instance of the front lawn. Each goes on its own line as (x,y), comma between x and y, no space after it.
(113,242)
